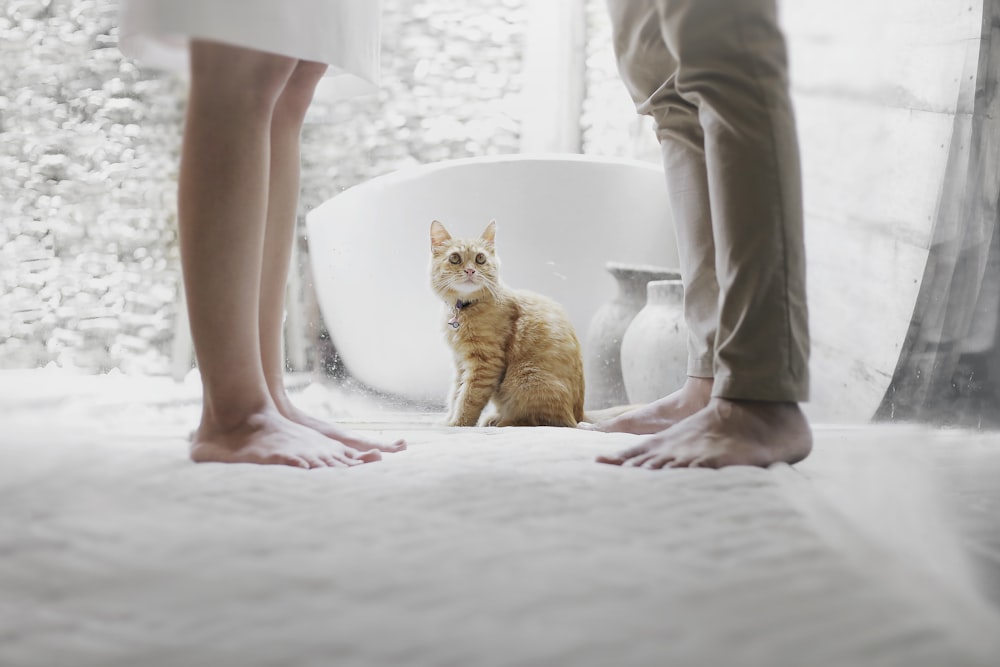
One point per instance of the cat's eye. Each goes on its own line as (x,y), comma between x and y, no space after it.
(480,258)
(455,258)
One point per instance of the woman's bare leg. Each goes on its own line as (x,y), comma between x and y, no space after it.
(282,206)
(222,202)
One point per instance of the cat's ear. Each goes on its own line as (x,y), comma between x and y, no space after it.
(490,233)
(439,235)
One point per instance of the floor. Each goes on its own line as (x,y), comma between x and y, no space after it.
(479,546)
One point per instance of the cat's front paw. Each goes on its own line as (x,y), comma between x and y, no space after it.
(492,421)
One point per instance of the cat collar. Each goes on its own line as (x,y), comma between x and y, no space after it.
(459,305)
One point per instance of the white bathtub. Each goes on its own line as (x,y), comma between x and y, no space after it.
(560,218)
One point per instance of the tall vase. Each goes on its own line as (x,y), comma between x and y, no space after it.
(654,347)
(602,363)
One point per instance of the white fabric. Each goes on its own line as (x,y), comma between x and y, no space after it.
(345,34)
(475,547)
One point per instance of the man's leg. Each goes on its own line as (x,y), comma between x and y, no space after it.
(282,208)
(649,72)
(740,85)
(733,69)
(222,202)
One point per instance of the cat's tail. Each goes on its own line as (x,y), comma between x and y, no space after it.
(604,414)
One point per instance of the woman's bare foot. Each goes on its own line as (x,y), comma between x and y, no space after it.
(335,432)
(725,433)
(662,414)
(267,437)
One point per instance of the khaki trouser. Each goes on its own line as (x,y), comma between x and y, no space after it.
(713,75)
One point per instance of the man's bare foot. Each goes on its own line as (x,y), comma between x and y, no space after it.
(352,440)
(662,414)
(725,433)
(267,437)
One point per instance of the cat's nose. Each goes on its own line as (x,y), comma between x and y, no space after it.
(469,272)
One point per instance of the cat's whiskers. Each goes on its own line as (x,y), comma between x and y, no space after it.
(448,283)
(493,289)
(459,284)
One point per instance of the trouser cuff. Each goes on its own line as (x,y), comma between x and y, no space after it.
(777,389)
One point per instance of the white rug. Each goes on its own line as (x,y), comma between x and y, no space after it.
(476,547)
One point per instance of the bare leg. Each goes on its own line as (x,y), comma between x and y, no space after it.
(286,129)
(661,414)
(222,200)
(725,433)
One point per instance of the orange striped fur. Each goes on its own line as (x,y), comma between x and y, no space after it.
(512,347)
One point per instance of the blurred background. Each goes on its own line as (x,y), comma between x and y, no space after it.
(89,149)
(897,123)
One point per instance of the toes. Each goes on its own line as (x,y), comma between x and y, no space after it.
(365,445)
(706,462)
(618,459)
(693,462)
(282,459)
(397,446)
(369,456)
(604,427)
(649,455)
(632,452)
(621,457)
(339,461)
(347,459)
(638,461)
(314,460)
(657,462)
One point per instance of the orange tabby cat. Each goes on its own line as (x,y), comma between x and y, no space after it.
(513,347)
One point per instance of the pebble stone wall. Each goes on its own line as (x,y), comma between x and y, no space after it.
(89,144)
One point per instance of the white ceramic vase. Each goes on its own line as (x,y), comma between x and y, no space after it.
(602,363)
(654,347)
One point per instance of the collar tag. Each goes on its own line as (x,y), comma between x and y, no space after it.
(459,305)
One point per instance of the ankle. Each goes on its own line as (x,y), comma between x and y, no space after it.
(697,390)
(786,413)
(284,404)
(228,418)
(752,404)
